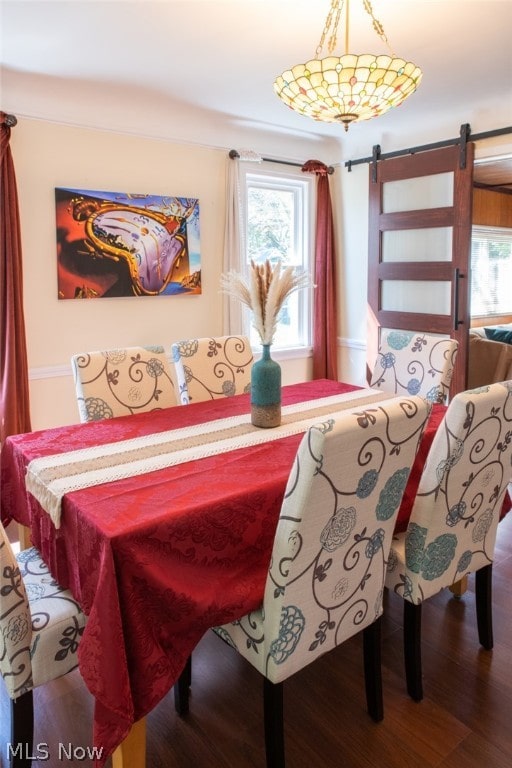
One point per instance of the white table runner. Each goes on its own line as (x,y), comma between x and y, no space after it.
(49,478)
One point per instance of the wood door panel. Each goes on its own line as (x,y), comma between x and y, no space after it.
(416,270)
(414,321)
(421,219)
(427,163)
(455,270)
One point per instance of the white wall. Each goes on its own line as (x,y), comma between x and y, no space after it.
(48,155)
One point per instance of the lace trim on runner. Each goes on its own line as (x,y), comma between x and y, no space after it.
(49,478)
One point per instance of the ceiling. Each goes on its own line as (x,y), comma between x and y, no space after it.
(222,56)
(496,175)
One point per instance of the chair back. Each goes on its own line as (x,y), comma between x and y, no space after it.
(415,364)
(454,519)
(212,367)
(15,623)
(326,577)
(118,382)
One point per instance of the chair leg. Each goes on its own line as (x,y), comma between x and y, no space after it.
(273,717)
(181,689)
(412,650)
(373,670)
(483,592)
(459,587)
(22,731)
(188,671)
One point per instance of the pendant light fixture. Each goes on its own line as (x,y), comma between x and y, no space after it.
(348,88)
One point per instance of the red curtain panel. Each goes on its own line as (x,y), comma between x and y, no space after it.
(325,350)
(14,393)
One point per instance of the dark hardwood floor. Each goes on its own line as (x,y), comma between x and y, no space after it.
(464,719)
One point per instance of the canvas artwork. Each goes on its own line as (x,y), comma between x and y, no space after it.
(119,244)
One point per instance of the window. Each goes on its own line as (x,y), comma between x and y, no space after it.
(491,271)
(277,214)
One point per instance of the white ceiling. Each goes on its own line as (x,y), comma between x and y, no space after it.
(223,56)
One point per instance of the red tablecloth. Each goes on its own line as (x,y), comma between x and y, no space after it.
(158,559)
(436,417)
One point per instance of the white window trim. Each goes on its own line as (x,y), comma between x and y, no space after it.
(307,236)
(496,234)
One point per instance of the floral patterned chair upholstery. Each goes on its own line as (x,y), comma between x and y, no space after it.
(454,520)
(40,628)
(326,576)
(118,382)
(415,364)
(212,367)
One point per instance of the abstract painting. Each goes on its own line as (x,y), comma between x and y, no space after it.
(118,244)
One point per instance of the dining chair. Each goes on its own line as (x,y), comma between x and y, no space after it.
(118,382)
(212,367)
(415,364)
(454,518)
(326,575)
(40,629)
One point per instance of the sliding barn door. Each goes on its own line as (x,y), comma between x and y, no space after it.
(419,248)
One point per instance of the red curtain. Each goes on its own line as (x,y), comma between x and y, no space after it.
(14,395)
(325,325)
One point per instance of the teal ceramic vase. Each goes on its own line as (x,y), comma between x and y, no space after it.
(266,391)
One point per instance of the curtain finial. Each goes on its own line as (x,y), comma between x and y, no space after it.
(316,166)
(10,120)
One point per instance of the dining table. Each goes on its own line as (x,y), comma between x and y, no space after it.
(161,524)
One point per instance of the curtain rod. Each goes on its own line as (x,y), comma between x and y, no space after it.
(424,147)
(233,153)
(10,120)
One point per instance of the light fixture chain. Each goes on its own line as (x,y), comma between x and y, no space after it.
(377,25)
(336,8)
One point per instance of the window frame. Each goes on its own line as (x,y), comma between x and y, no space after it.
(489,233)
(304,191)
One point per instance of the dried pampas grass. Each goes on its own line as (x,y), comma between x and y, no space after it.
(264,293)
